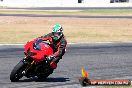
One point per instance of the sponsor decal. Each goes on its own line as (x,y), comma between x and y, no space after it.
(85,81)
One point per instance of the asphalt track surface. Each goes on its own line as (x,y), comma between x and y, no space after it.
(102,61)
(66,16)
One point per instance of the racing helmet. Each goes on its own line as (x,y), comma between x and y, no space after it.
(57,32)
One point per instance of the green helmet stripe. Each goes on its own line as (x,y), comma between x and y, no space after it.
(54,30)
(57,28)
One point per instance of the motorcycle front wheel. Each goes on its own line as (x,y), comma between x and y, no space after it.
(16,73)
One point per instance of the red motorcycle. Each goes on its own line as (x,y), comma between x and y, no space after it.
(35,63)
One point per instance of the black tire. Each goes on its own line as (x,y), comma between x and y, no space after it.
(16,73)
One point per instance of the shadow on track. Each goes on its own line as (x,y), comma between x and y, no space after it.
(35,79)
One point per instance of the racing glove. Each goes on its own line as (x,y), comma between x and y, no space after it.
(53,65)
(51,59)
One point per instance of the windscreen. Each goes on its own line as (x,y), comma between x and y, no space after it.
(36,45)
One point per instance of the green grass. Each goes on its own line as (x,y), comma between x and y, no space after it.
(66,12)
(107,11)
(33,12)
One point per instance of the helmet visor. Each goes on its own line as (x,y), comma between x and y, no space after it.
(56,35)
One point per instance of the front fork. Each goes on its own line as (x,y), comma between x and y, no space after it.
(29,65)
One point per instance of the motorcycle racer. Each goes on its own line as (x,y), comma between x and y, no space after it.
(58,43)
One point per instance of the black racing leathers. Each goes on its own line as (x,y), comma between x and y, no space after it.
(58,46)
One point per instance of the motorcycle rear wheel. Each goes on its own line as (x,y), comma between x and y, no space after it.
(16,73)
(46,75)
